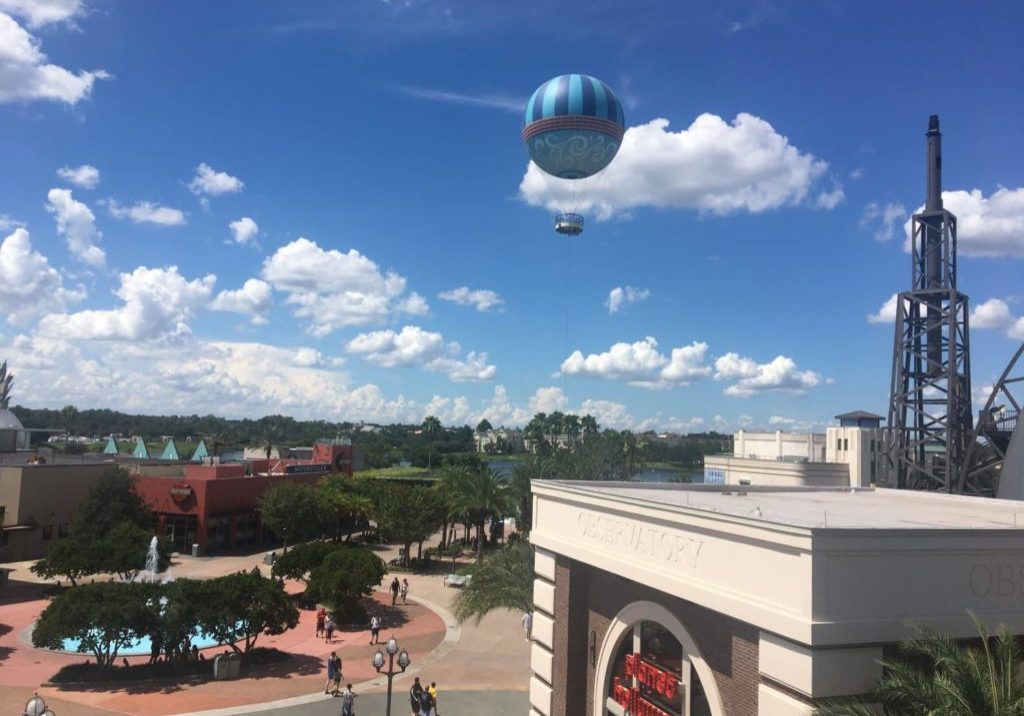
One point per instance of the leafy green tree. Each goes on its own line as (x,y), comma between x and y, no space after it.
(291,511)
(109,502)
(124,549)
(344,503)
(66,559)
(241,606)
(535,433)
(409,514)
(110,534)
(484,426)
(179,620)
(935,674)
(298,562)
(346,574)
(104,617)
(502,581)
(478,494)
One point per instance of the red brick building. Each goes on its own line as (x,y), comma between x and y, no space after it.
(216,506)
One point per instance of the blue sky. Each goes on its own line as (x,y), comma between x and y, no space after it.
(326,177)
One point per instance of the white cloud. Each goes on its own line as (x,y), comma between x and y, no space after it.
(146,212)
(253,299)
(29,285)
(481,299)
(77,224)
(7,222)
(620,295)
(713,166)
(26,75)
(886,313)
(334,289)
(307,357)
(882,220)
(158,304)
(210,182)
(244,230)
(830,199)
(42,12)
(548,400)
(857,173)
(752,378)
(84,177)
(641,364)
(986,226)
(995,314)
(413,346)
(493,101)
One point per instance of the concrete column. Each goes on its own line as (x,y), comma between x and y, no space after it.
(778,443)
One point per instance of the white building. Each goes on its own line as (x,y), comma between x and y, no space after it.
(850,454)
(709,601)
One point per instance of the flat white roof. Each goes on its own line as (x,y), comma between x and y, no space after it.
(817,507)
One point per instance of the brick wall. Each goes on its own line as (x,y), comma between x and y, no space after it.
(588,599)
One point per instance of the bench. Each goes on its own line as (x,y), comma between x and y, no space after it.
(457,580)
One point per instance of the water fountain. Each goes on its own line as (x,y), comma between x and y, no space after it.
(149,574)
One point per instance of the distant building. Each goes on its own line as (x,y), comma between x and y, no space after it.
(501,440)
(850,454)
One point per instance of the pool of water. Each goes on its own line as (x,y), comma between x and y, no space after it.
(143,645)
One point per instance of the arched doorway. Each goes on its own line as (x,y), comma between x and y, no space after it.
(649,664)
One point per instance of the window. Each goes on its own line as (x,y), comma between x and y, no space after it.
(839,444)
(846,443)
(47,532)
(62,529)
(872,444)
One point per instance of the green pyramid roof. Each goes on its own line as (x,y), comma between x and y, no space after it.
(170,451)
(111,448)
(201,452)
(140,450)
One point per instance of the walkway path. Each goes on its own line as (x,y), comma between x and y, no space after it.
(491,656)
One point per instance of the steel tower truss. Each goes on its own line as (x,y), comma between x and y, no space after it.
(930,399)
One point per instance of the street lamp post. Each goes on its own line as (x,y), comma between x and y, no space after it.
(403,663)
(36,706)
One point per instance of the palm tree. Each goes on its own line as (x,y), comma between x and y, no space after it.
(502,581)
(431,427)
(523,473)
(589,425)
(572,427)
(936,674)
(479,493)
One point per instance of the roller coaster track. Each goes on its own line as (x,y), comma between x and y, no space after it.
(987,448)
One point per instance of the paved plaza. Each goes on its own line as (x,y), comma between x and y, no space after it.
(489,660)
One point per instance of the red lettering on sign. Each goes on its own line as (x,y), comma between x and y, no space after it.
(663,682)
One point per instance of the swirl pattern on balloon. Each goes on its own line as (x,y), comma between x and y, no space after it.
(573,155)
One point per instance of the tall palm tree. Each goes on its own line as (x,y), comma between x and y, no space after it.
(936,674)
(431,427)
(589,425)
(479,493)
(523,473)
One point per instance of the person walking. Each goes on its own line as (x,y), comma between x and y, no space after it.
(375,629)
(433,696)
(321,619)
(426,703)
(405,591)
(348,701)
(414,696)
(332,665)
(528,624)
(337,674)
(394,591)
(329,630)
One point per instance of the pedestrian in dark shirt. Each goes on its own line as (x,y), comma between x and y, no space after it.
(394,591)
(414,697)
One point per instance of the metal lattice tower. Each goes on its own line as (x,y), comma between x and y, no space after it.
(930,401)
